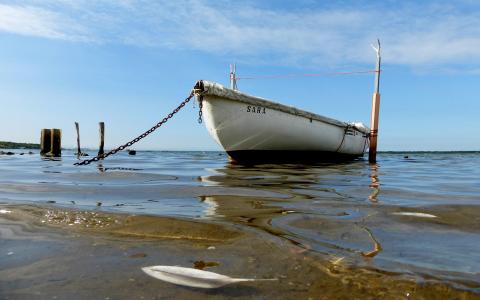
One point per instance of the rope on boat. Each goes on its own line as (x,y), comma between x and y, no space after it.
(306,75)
(343,138)
(367,141)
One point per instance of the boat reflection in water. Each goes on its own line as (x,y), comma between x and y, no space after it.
(333,211)
(375,185)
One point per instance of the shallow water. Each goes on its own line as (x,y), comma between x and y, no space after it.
(367,214)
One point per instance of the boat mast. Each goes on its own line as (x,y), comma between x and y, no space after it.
(233,77)
(372,154)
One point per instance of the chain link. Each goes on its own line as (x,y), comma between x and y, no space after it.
(143,135)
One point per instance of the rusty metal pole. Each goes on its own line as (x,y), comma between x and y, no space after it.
(372,154)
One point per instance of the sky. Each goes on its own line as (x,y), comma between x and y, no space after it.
(129,63)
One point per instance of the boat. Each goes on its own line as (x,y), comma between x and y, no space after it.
(252,129)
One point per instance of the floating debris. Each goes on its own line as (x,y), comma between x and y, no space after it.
(200,264)
(138,255)
(337,260)
(82,218)
(376,246)
(415,214)
(5,211)
(193,277)
(301,248)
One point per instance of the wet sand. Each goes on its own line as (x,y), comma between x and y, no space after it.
(50,252)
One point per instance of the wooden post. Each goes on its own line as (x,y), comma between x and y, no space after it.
(45,141)
(79,152)
(102,137)
(51,142)
(372,154)
(56,150)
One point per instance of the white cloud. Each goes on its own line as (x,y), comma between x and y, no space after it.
(39,22)
(412,34)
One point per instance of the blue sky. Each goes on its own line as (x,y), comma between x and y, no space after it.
(129,63)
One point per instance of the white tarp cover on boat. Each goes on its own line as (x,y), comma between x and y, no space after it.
(215,89)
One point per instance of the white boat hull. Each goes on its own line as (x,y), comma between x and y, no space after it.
(249,127)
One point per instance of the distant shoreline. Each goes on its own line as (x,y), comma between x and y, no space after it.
(13,145)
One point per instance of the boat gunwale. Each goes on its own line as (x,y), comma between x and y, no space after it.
(209,88)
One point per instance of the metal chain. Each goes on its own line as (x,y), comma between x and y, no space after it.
(200,106)
(122,147)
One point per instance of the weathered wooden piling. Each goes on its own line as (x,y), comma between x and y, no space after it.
(51,142)
(372,154)
(102,137)
(79,151)
(45,141)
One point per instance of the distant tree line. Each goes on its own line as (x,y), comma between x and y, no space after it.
(12,145)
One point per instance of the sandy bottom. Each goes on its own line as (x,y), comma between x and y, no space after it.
(49,252)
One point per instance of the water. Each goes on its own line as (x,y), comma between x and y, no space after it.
(355,211)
